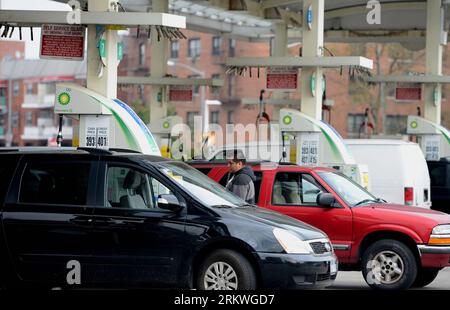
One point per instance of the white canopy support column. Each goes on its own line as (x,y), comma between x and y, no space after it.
(434,60)
(312,44)
(280,49)
(158,66)
(102,78)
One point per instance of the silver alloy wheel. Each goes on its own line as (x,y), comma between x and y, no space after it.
(220,276)
(387,267)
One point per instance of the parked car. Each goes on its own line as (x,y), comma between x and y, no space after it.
(395,246)
(440,184)
(397,170)
(127,219)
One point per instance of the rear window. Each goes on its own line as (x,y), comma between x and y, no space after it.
(8,164)
(55,183)
(439,175)
(205,171)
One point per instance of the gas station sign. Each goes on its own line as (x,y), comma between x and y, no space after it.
(282,78)
(65,42)
(180,93)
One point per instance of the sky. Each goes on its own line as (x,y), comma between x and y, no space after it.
(31,47)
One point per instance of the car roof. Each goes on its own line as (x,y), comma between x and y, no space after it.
(290,166)
(80,151)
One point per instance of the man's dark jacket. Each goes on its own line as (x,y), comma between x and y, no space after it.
(241,183)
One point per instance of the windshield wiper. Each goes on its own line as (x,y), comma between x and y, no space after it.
(367,200)
(244,205)
(223,206)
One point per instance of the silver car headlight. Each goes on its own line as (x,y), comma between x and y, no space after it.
(291,243)
(441,230)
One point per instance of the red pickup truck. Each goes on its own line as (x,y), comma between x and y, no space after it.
(395,246)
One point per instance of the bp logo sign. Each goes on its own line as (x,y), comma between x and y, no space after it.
(64,98)
(414,125)
(166,125)
(287,120)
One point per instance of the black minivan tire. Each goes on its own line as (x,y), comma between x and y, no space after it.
(230,268)
(425,276)
(391,257)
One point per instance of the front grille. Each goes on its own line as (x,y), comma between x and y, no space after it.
(320,247)
(323,277)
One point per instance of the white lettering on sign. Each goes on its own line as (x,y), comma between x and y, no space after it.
(62,42)
(281,78)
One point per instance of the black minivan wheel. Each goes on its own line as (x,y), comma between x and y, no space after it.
(389,265)
(425,276)
(226,270)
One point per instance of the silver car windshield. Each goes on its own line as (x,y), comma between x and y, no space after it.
(352,193)
(198,185)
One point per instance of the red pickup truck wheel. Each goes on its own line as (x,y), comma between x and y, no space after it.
(425,276)
(389,265)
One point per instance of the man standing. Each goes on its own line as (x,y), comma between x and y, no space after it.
(241,179)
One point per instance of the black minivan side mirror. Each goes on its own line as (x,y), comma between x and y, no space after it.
(326,200)
(169,202)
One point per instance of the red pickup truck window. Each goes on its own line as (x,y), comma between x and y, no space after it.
(290,188)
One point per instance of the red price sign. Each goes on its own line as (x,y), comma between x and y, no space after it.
(408,93)
(180,93)
(282,78)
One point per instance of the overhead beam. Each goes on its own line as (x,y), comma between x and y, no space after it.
(362,9)
(37,18)
(423,79)
(325,62)
(139,80)
(266,4)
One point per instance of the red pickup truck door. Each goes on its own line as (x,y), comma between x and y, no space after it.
(294,194)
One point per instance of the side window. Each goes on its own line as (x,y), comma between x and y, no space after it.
(55,183)
(133,189)
(295,189)
(7,165)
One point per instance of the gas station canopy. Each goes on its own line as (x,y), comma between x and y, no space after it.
(345,20)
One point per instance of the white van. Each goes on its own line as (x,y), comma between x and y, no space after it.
(397,169)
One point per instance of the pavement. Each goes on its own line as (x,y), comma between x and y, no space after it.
(353,280)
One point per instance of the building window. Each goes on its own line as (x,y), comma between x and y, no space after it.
(214,117)
(396,124)
(190,118)
(194,48)
(196,87)
(217,45)
(28,118)
(141,93)
(2,92)
(215,90)
(174,49)
(231,84)
(46,114)
(230,117)
(231,47)
(29,88)
(16,88)
(141,54)
(354,122)
(15,119)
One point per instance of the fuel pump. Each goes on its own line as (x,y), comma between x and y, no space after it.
(161,130)
(434,139)
(103,122)
(319,144)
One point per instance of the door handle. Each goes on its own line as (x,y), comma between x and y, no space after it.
(80,220)
(117,221)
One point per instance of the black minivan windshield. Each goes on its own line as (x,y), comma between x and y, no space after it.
(353,194)
(210,193)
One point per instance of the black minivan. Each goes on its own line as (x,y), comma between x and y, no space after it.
(124,219)
(440,184)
